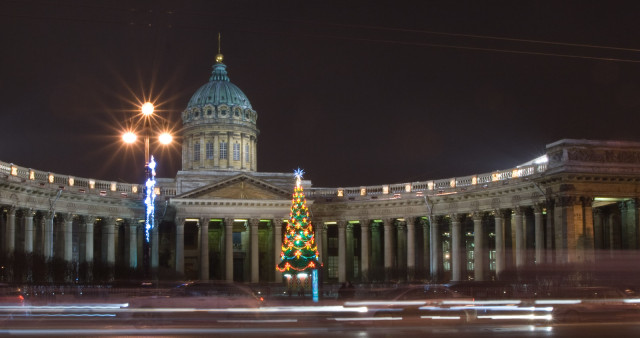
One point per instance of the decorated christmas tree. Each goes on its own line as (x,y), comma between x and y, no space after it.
(299,251)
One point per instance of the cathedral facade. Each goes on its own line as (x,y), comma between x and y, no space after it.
(220,218)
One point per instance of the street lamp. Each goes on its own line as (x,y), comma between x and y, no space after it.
(164,138)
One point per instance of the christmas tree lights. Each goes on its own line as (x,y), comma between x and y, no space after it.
(299,250)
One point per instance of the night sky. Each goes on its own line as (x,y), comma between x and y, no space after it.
(354,92)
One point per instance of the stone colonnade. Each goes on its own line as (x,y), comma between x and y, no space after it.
(70,237)
(244,246)
(478,245)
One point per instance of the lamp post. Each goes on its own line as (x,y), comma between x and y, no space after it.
(165,138)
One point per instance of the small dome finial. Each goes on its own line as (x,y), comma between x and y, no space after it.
(219,56)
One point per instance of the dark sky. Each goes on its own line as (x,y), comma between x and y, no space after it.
(354,92)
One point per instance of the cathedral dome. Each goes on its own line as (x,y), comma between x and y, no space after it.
(219,126)
(219,90)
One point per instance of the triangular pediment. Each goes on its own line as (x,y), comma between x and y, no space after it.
(238,187)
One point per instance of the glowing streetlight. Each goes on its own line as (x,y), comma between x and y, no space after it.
(147,109)
(129,137)
(148,126)
(165,138)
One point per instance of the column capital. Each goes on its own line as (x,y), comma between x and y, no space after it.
(228,222)
(29,212)
(203,221)
(180,220)
(349,227)
(538,207)
(410,220)
(342,224)
(254,222)
(477,215)
(89,219)
(11,209)
(388,221)
(458,218)
(587,201)
(518,210)
(110,220)
(364,223)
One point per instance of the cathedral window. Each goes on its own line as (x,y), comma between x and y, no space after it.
(246,153)
(223,150)
(236,151)
(196,151)
(209,151)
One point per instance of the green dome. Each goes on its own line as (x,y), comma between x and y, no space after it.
(219,91)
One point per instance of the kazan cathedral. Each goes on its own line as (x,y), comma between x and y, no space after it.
(222,219)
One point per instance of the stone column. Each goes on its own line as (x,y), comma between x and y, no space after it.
(11,230)
(48,236)
(204,248)
(388,253)
(133,244)
(364,250)
(277,237)
(435,248)
(400,261)
(456,251)
(216,154)
(228,138)
(537,214)
(228,248)
(342,248)
(88,239)
(519,225)
(375,250)
(478,248)
(110,226)
(317,236)
(325,243)
(560,229)
(255,264)
(500,253)
(349,257)
(426,252)
(68,236)
(180,245)
(586,239)
(28,230)
(411,248)
(549,255)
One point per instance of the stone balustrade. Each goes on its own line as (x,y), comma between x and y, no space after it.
(55,181)
(441,186)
